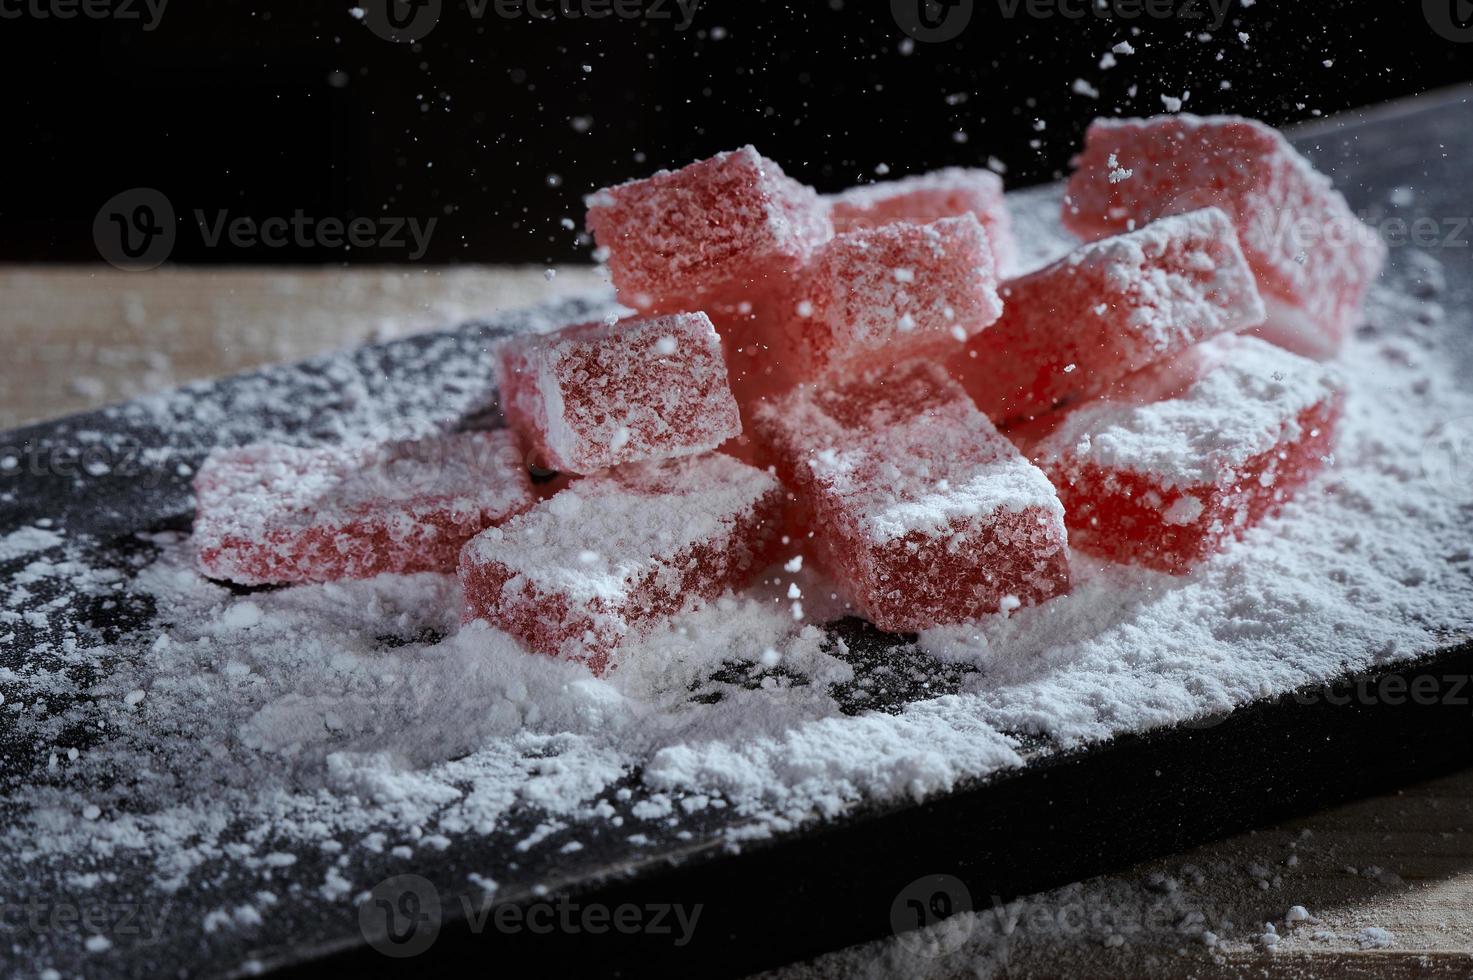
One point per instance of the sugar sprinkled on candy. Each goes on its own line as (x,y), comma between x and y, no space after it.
(596,395)
(271,513)
(685,239)
(922,512)
(899,290)
(1073,328)
(1191,453)
(925,198)
(1313,259)
(664,536)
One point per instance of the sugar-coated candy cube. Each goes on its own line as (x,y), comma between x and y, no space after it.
(926,197)
(275,514)
(920,510)
(1314,260)
(1191,452)
(685,239)
(1072,329)
(901,290)
(600,562)
(596,395)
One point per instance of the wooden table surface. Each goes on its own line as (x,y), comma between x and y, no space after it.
(77,338)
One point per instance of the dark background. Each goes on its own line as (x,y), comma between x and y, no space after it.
(497,126)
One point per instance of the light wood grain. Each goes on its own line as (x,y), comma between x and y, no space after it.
(78,338)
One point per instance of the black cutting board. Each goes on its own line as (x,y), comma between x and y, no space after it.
(1063,816)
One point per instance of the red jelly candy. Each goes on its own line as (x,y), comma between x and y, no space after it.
(703,234)
(1192,452)
(883,294)
(1314,260)
(269,513)
(596,395)
(603,560)
(920,510)
(925,198)
(1072,329)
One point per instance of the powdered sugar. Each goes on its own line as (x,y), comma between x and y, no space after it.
(1167,302)
(596,395)
(340,723)
(273,513)
(1250,403)
(913,455)
(926,197)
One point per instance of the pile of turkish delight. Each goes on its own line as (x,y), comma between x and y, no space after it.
(864,377)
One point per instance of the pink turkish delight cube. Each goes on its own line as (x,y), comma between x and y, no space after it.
(1314,260)
(921,511)
(924,198)
(883,294)
(1192,452)
(596,395)
(704,234)
(601,562)
(1073,329)
(276,514)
